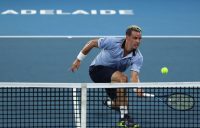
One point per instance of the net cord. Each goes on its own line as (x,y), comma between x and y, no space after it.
(101,85)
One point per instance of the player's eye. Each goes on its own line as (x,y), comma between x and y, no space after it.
(137,38)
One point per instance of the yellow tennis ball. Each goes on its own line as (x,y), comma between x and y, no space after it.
(164,70)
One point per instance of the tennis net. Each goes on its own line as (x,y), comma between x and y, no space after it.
(75,105)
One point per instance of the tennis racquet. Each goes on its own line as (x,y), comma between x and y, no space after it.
(177,101)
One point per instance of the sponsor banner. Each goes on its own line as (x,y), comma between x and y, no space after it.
(65,12)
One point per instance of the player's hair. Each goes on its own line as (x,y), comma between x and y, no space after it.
(133,28)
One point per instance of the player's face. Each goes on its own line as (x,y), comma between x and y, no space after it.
(133,41)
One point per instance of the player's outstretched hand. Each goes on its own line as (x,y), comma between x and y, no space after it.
(75,65)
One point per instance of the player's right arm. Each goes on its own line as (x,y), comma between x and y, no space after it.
(83,53)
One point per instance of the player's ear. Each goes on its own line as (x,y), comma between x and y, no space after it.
(127,37)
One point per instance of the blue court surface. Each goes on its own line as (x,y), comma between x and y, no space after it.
(39,40)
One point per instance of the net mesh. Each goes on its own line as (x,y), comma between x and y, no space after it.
(38,107)
(149,112)
(60,106)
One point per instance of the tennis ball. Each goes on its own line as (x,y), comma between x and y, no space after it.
(164,70)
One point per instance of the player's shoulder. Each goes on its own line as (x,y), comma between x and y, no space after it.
(111,42)
(138,58)
(114,39)
(139,54)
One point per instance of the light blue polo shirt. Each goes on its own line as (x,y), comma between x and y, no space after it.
(111,55)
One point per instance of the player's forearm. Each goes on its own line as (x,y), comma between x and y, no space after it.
(91,44)
(134,80)
(134,77)
(86,49)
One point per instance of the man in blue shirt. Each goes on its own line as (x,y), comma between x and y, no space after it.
(117,54)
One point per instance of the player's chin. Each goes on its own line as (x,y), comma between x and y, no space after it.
(135,47)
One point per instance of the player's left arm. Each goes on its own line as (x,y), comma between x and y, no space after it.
(135,79)
(135,69)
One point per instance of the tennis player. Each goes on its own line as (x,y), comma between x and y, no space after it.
(117,54)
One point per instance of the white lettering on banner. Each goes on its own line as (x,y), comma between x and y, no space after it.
(13,12)
(126,12)
(107,12)
(80,12)
(47,12)
(94,12)
(63,12)
(28,12)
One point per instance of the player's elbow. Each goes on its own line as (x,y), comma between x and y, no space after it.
(93,43)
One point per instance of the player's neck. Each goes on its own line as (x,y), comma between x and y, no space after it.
(125,52)
(125,47)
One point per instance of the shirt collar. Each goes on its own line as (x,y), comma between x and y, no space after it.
(128,56)
(133,53)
